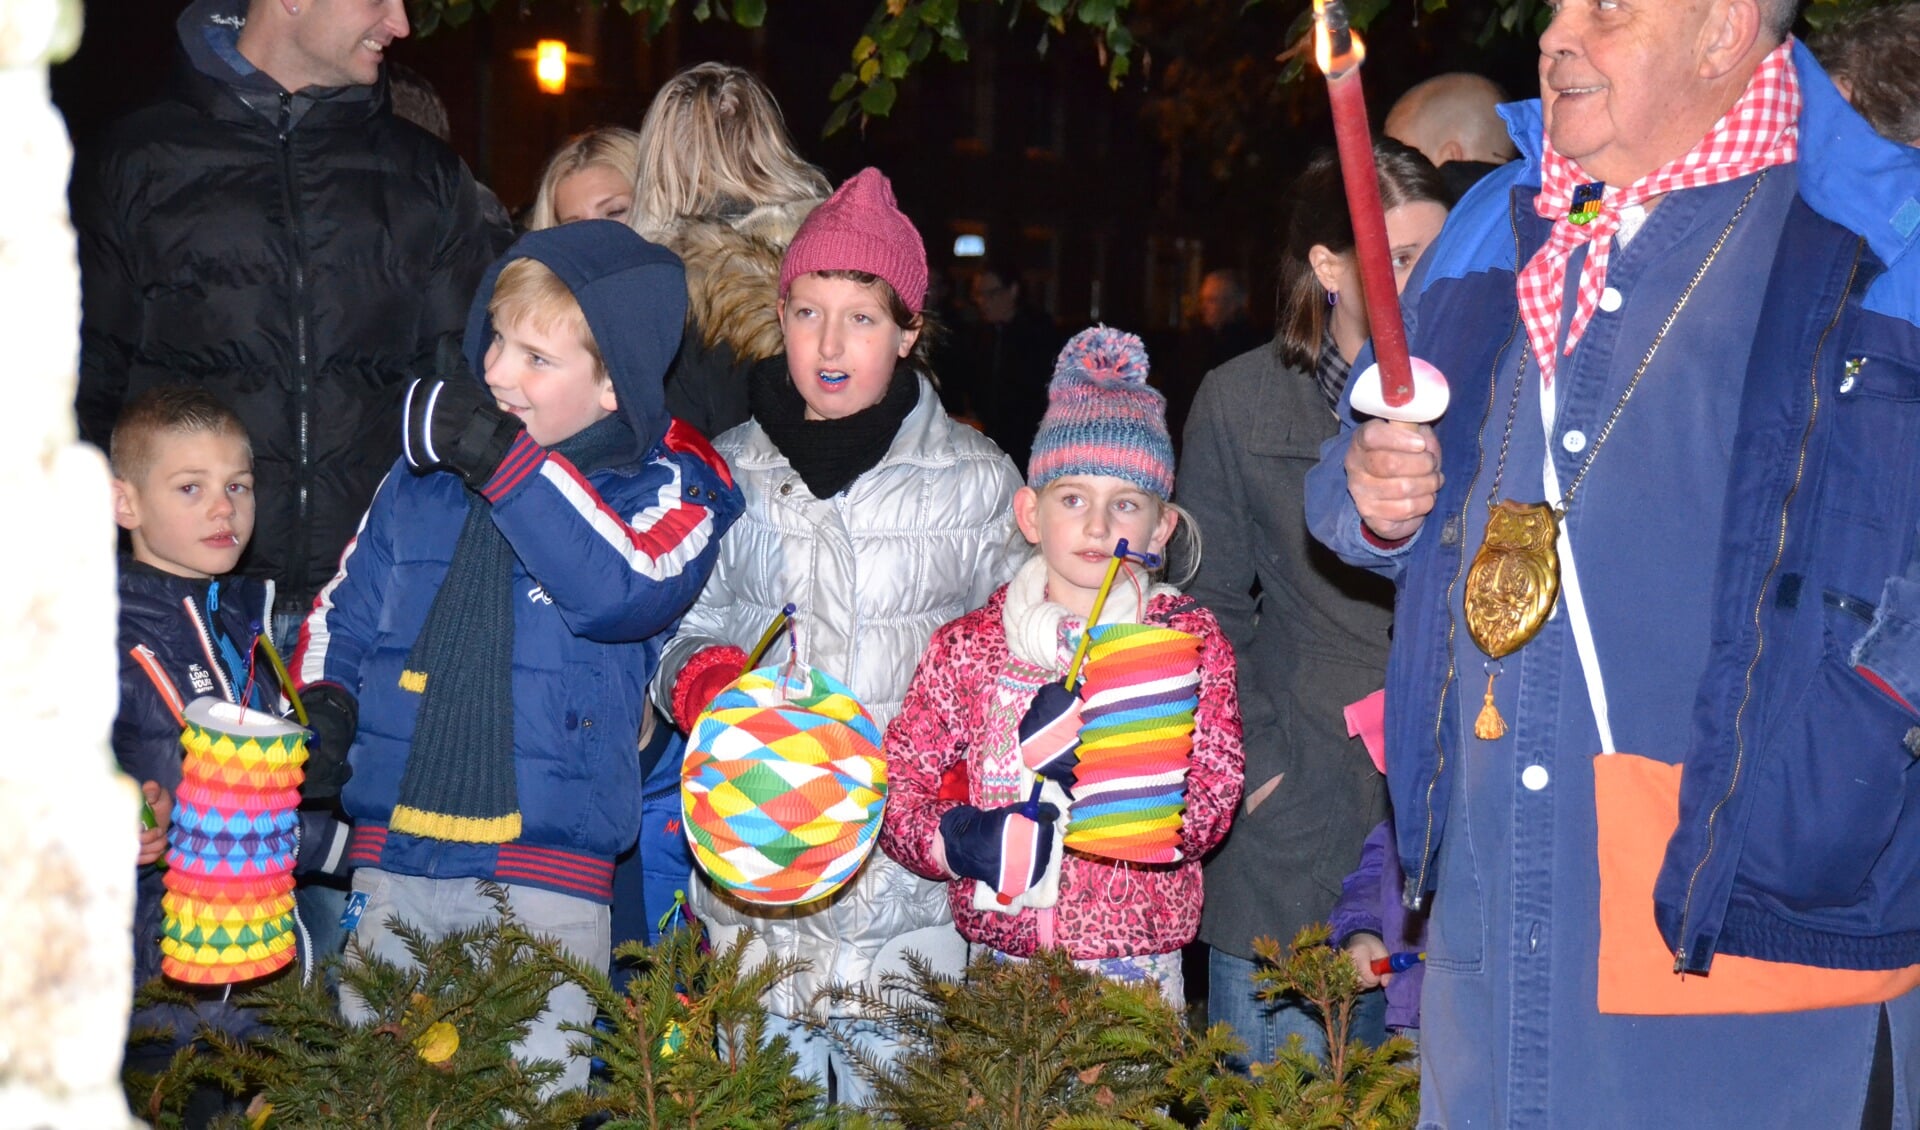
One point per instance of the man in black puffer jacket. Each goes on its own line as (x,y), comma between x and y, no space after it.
(272,232)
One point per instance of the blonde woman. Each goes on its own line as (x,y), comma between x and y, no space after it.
(722,186)
(588,178)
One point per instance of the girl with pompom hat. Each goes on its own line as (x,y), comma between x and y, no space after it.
(1075,816)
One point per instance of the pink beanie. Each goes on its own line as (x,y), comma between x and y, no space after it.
(860,228)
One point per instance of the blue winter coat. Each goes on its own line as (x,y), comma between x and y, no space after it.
(605,565)
(1743,546)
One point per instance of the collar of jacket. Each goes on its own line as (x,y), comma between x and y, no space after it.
(151,595)
(206,80)
(925,439)
(1847,172)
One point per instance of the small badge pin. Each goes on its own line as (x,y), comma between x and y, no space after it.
(1586,202)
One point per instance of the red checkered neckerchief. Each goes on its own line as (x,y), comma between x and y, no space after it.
(1759,131)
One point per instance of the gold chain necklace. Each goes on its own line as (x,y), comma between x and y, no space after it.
(1515,577)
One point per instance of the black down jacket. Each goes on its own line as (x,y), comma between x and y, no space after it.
(299,255)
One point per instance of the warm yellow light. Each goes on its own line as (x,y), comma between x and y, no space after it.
(550,66)
(1323,44)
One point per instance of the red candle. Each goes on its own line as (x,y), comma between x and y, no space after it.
(1362,180)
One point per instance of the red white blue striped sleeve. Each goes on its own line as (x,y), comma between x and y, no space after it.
(620,565)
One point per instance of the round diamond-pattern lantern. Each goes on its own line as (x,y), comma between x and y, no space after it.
(228,910)
(783,786)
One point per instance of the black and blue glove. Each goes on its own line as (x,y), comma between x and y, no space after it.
(454,425)
(333,717)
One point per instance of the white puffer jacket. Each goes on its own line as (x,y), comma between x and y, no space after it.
(924,536)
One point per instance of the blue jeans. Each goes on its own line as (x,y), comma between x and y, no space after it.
(1264,1026)
(438,907)
(320,903)
(823,1056)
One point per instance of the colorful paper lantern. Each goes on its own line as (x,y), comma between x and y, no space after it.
(783,786)
(1136,742)
(228,910)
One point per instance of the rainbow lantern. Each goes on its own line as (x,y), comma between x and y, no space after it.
(783,786)
(1136,743)
(229,902)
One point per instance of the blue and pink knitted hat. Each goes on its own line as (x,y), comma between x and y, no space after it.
(1102,418)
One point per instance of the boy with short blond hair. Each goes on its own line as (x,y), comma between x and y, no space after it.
(183,490)
(487,642)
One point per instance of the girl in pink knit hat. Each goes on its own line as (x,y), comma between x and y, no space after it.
(1069,805)
(879,518)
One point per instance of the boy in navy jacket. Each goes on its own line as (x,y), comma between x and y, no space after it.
(488,639)
(183,490)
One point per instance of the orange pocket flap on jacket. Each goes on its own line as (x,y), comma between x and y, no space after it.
(1637,806)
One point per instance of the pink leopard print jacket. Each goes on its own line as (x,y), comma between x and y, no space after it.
(1105,909)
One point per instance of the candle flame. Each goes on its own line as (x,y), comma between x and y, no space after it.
(1323,45)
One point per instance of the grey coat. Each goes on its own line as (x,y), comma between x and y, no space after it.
(1311,635)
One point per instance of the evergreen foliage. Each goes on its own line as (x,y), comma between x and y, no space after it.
(437,1052)
(685,1046)
(1044,1044)
(1019,1046)
(1010,1045)
(1359,1088)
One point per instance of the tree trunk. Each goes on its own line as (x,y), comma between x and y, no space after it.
(68,819)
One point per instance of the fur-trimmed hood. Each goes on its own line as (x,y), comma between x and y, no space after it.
(733,274)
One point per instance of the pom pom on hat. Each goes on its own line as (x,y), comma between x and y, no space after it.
(1102,417)
(860,228)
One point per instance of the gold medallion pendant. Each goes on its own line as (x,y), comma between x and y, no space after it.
(1511,588)
(1515,577)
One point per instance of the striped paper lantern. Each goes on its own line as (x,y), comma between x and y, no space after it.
(228,910)
(1136,742)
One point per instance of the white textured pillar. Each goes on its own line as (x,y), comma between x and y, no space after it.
(68,820)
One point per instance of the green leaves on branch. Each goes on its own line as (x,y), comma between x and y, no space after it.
(901,34)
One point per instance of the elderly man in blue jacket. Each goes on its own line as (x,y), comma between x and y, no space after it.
(1650,707)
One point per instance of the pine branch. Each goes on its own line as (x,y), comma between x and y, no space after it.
(436,1051)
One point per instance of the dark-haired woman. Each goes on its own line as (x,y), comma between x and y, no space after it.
(1310,632)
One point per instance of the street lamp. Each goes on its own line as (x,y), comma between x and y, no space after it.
(551,59)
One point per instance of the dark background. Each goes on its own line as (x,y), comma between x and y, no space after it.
(1111,204)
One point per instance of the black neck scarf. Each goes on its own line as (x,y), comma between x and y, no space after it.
(828,454)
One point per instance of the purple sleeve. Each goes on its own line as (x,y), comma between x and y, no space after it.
(1358,911)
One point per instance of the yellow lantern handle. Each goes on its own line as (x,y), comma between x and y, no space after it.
(1099,604)
(767,637)
(286,680)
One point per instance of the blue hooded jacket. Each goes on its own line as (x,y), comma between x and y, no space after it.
(606,564)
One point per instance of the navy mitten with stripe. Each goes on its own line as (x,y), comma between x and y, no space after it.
(1004,848)
(1050,734)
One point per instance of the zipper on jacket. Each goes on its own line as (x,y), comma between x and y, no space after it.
(1759,605)
(203,627)
(1415,893)
(296,565)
